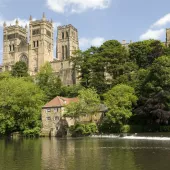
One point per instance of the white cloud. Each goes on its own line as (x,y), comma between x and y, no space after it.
(76,6)
(87,42)
(162,21)
(157,29)
(152,34)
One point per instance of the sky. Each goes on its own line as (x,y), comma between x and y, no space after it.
(96,20)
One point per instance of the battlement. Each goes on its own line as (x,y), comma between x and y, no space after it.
(36,22)
(42,21)
(67,26)
(15,27)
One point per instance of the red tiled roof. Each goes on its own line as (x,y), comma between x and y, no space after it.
(60,101)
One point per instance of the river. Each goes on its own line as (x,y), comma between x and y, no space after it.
(107,153)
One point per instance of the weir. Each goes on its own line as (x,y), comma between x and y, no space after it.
(133,137)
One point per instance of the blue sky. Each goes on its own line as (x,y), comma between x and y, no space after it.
(96,20)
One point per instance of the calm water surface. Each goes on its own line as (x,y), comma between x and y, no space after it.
(84,154)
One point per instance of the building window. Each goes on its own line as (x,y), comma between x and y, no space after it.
(13,47)
(24,59)
(66,50)
(67,35)
(48,118)
(55,109)
(56,118)
(35,44)
(63,52)
(62,35)
(48,110)
(6,68)
(9,47)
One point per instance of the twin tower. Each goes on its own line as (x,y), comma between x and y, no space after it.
(35,46)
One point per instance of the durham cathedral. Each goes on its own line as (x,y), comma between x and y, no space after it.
(34,46)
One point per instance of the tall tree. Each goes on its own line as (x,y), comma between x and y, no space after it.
(145,52)
(155,92)
(119,101)
(48,82)
(20,105)
(20,69)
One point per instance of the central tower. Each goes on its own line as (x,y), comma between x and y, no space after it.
(67,42)
(41,42)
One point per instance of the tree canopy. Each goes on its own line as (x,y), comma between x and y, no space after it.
(20,69)
(20,105)
(88,103)
(48,82)
(120,100)
(145,52)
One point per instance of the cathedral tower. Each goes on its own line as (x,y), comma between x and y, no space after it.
(67,42)
(168,36)
(41,43)
(13,36)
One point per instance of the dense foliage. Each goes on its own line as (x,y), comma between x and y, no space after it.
(119,101)
(88,104)
(133,82)
(83,129)
(20,105)
(48,82)
(20,69)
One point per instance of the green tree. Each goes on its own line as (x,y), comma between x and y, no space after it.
(105,66)
(48,82)
(20,69)
(20,105)
(120,100)
(155,93)
(145,52)
(5,75)
(70,91)
(117,61)
(88,103)
(158,78)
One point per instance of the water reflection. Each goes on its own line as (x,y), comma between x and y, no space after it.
(16,154)
(83,154)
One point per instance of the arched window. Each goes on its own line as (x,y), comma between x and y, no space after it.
(63,53)
(24,59)
(67,35)
(66,51)
(62,35)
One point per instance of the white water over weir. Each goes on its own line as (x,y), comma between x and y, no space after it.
(133,137)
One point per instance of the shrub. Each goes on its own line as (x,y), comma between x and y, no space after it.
(83,129)
(35,132)
(164,128)
(125,129)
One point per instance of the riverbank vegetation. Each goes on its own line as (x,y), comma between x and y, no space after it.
(132,82)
